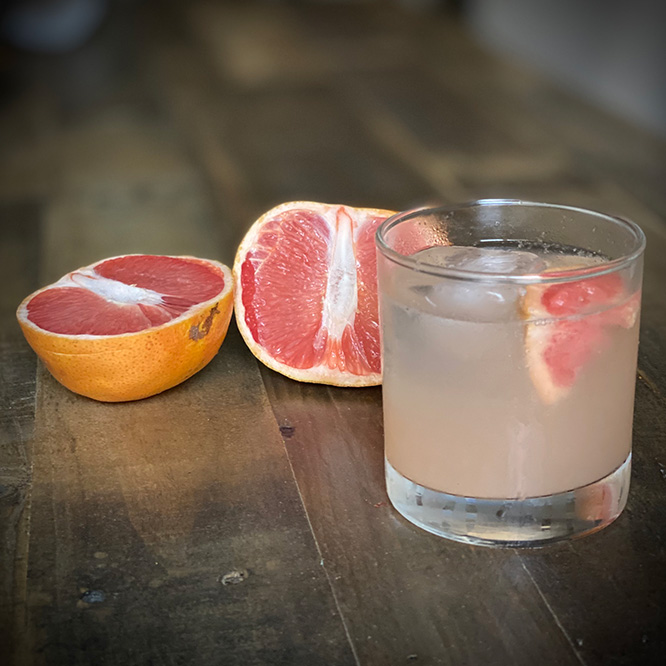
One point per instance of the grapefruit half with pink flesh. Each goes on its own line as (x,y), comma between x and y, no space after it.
(132,326)
(558,350)
(306,292)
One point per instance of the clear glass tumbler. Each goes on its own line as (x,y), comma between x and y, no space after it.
(509,341)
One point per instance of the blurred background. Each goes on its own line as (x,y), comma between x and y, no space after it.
(610,51)
(191,118)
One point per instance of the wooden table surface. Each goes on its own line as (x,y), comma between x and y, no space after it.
(123,526)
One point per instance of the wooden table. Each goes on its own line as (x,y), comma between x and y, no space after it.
(241,518)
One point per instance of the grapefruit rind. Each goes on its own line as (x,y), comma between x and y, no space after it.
(131,366)
(318,374)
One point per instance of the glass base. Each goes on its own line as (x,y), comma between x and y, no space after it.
(533,521)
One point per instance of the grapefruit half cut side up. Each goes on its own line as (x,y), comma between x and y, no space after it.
(306,292)
(567,324)
(132,326)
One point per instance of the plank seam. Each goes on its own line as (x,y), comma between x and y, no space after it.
(552,612)
(316,542)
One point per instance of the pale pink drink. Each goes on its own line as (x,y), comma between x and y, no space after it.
(510,333)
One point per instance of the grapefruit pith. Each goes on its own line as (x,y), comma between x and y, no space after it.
(306,292)
(131,326)
(567,324)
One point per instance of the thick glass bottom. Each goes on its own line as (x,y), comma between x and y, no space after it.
(533,521)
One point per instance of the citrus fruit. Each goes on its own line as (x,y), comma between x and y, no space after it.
(568,323)
(306,292)
(132,326)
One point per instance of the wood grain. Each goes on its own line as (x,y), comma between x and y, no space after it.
(19,255)
(141,509)
(404,592)
(614,578)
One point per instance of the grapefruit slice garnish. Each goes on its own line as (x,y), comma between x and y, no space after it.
(306,292)
(132,326)
(568,324)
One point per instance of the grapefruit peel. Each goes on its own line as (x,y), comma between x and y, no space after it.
(177,339)
(306,292)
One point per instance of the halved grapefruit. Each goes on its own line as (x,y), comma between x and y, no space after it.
(132,326)
(306,292)
(568,323)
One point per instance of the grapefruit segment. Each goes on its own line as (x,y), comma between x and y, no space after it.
(306,299)
(567,324)
(132,326)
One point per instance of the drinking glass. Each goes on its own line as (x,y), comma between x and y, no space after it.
(509,344)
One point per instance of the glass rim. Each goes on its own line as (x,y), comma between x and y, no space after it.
(567,275)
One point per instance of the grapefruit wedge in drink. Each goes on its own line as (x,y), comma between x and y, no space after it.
(131,326)
(306,292)
(583,315)
(580,315)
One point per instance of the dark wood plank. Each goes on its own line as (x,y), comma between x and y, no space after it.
(402,591)
(145,513)
(608,591)
(19,254)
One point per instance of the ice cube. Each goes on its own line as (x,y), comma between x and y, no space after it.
(482,259)
(470,300)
